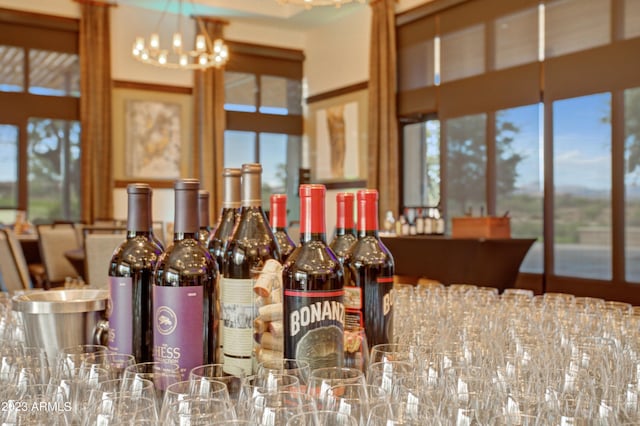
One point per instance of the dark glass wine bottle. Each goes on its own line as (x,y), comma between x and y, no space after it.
(183,291)
(371,270)
(204,231)
(345,231)
(152,236)
(228,215)
(251,245)
(218,242)
(131,279)
(278,219)
(313,282)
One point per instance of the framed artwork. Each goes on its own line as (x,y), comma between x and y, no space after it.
(152,132)
(337,129)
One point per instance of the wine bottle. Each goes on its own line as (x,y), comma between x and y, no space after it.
(204,231)
(152,236)
(130,280)
(183,291)
(278,219)
(371,270)
(345,231)
(229,215)
(313,284)
(251,245)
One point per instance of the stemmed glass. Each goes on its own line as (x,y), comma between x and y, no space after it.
(162,374)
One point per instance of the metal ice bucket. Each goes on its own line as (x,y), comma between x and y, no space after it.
(59,318)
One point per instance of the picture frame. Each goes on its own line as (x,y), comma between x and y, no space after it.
(152,133)
(337,131)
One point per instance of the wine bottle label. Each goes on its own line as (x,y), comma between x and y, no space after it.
(238,315)
(178,326)
(353,302)
(378,321)
(121,315)
(314,327)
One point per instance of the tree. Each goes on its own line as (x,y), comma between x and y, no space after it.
(632,138)
(467,160)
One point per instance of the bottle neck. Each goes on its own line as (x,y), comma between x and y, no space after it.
(367,218)
(344,214)
(312,220)
(278,214)
(179,236)
(133,234)
(344,231)
(138,213)
(312,236)
(186,212)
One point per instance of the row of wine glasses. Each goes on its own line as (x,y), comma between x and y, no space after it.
(461,355)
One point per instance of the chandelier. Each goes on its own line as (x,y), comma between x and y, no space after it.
(310,3)
(205,53)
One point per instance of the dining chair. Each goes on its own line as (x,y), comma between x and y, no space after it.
(13,266)
(54,240)
(99,246)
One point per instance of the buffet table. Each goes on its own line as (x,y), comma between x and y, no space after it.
(487,262)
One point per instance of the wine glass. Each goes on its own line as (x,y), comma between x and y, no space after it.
(322,379)
(230,375)
(162,374)
(356,348)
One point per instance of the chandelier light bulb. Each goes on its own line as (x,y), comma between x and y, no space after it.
(139,44)
(203,59)
(177,42)
(154,41)
(184,61)
(162,57)
(144,56)
(201,43)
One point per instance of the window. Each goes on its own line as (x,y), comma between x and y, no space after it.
(421,173)
(9,142)
(516,39)
(582,186)
(632,183)
(263,100)
(467,165)
(462,53)
(54,168)
(573,25)
(39,120)
(520,177)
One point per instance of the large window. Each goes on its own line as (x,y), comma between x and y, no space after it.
(582,186)
(263,100)
(520,177)
(539,102)
(632,182)
(39,117)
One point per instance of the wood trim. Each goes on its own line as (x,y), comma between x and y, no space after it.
(238,47)
(154,184)
(264,123)
(425,10)
(337,92)
(121,84)
(97,3)
(53,22)
(347,184)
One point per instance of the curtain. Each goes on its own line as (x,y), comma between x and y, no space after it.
(209,115)
(383,128)
(95,111)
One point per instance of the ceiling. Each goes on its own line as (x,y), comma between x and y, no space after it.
(266,12)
